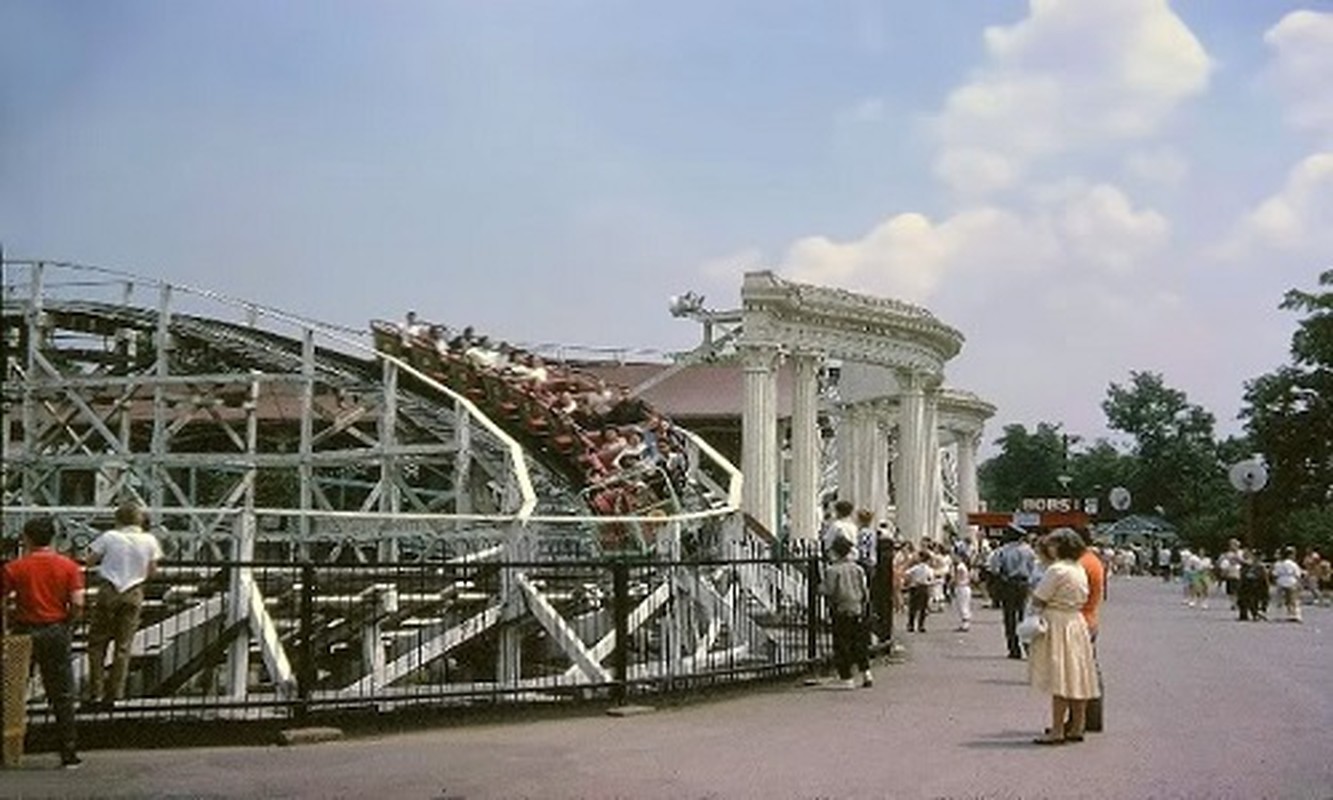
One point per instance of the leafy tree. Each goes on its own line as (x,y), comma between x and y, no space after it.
(1289,418)
(1028,465)
(1098,469)
(1179,468)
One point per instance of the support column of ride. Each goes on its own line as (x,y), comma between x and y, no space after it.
(759,444)
(239,585)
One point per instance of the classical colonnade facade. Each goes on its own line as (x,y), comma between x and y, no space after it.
(892,415)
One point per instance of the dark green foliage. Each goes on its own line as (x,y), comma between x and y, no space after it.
(1029,465)
(1289,417)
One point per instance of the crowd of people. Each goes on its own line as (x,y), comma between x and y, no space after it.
(626,457)
(1249,581)
(1056,578)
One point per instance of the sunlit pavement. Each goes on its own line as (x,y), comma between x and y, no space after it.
(1198,705)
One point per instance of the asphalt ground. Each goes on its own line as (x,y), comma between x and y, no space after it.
(1198,705)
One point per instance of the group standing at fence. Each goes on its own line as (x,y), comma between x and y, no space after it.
(47,592)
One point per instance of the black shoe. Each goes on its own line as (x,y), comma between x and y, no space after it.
(1018,656)
(70,761)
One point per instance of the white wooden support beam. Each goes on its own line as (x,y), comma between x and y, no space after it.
(270,644)
(569,641)
(641,614)
(409,662)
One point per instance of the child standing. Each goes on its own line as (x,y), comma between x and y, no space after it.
(962,592)
(848,596)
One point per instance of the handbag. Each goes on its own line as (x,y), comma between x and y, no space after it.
(1030,627)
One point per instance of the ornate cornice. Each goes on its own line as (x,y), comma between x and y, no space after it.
(963,412)
(844,325)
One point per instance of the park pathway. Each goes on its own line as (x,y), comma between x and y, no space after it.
(1198,706)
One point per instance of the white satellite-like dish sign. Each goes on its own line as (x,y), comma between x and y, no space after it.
(1248,476)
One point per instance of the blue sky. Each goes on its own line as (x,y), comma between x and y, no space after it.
(1083,188)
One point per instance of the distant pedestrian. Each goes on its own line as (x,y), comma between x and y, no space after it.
(1287,576)
(867,542)
(840,527)
(47,588)
(848,598)
(123,559)
(1015,566)
(962,592)
(918,580)
(1228,567)
(1252,591)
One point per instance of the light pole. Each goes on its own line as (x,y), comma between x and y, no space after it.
(1249,477)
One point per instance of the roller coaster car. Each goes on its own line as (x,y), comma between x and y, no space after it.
(387,338)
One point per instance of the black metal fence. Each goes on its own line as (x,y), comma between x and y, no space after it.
(274,640)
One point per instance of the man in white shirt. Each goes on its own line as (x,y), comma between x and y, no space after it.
(123,558)
(1287,575)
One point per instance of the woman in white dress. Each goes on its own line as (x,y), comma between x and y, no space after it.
(1061,661)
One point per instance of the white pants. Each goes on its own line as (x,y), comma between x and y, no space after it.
(962,602)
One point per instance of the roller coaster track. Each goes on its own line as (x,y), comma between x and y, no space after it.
(107,398)
(275,453)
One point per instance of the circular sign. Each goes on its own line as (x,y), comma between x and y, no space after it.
(1120,498)
(1248,476)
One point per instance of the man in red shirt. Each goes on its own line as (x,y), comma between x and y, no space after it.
(47,588)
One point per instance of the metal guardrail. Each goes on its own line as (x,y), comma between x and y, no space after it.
(232,640)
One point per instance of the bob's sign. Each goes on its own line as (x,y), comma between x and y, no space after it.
(1061,505)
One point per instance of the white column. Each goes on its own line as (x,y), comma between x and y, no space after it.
(879,486)
(969,498)
(866,432)
(805,447)
(849,448)
(934,482)
(911,477)
(895,443)
(759,442)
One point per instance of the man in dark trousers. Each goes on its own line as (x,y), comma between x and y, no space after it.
(47,588)
(1014,565)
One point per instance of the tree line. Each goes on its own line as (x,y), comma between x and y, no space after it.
(1173,463)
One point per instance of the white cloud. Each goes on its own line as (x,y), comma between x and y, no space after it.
(1072,75)
(976,171)
(1302,65)
(1101,228)
(1072,227)
(1296,219)
(1161,166)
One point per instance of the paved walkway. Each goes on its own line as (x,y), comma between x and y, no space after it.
(1198,706)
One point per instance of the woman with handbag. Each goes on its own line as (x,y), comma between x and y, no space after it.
(1061,661)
